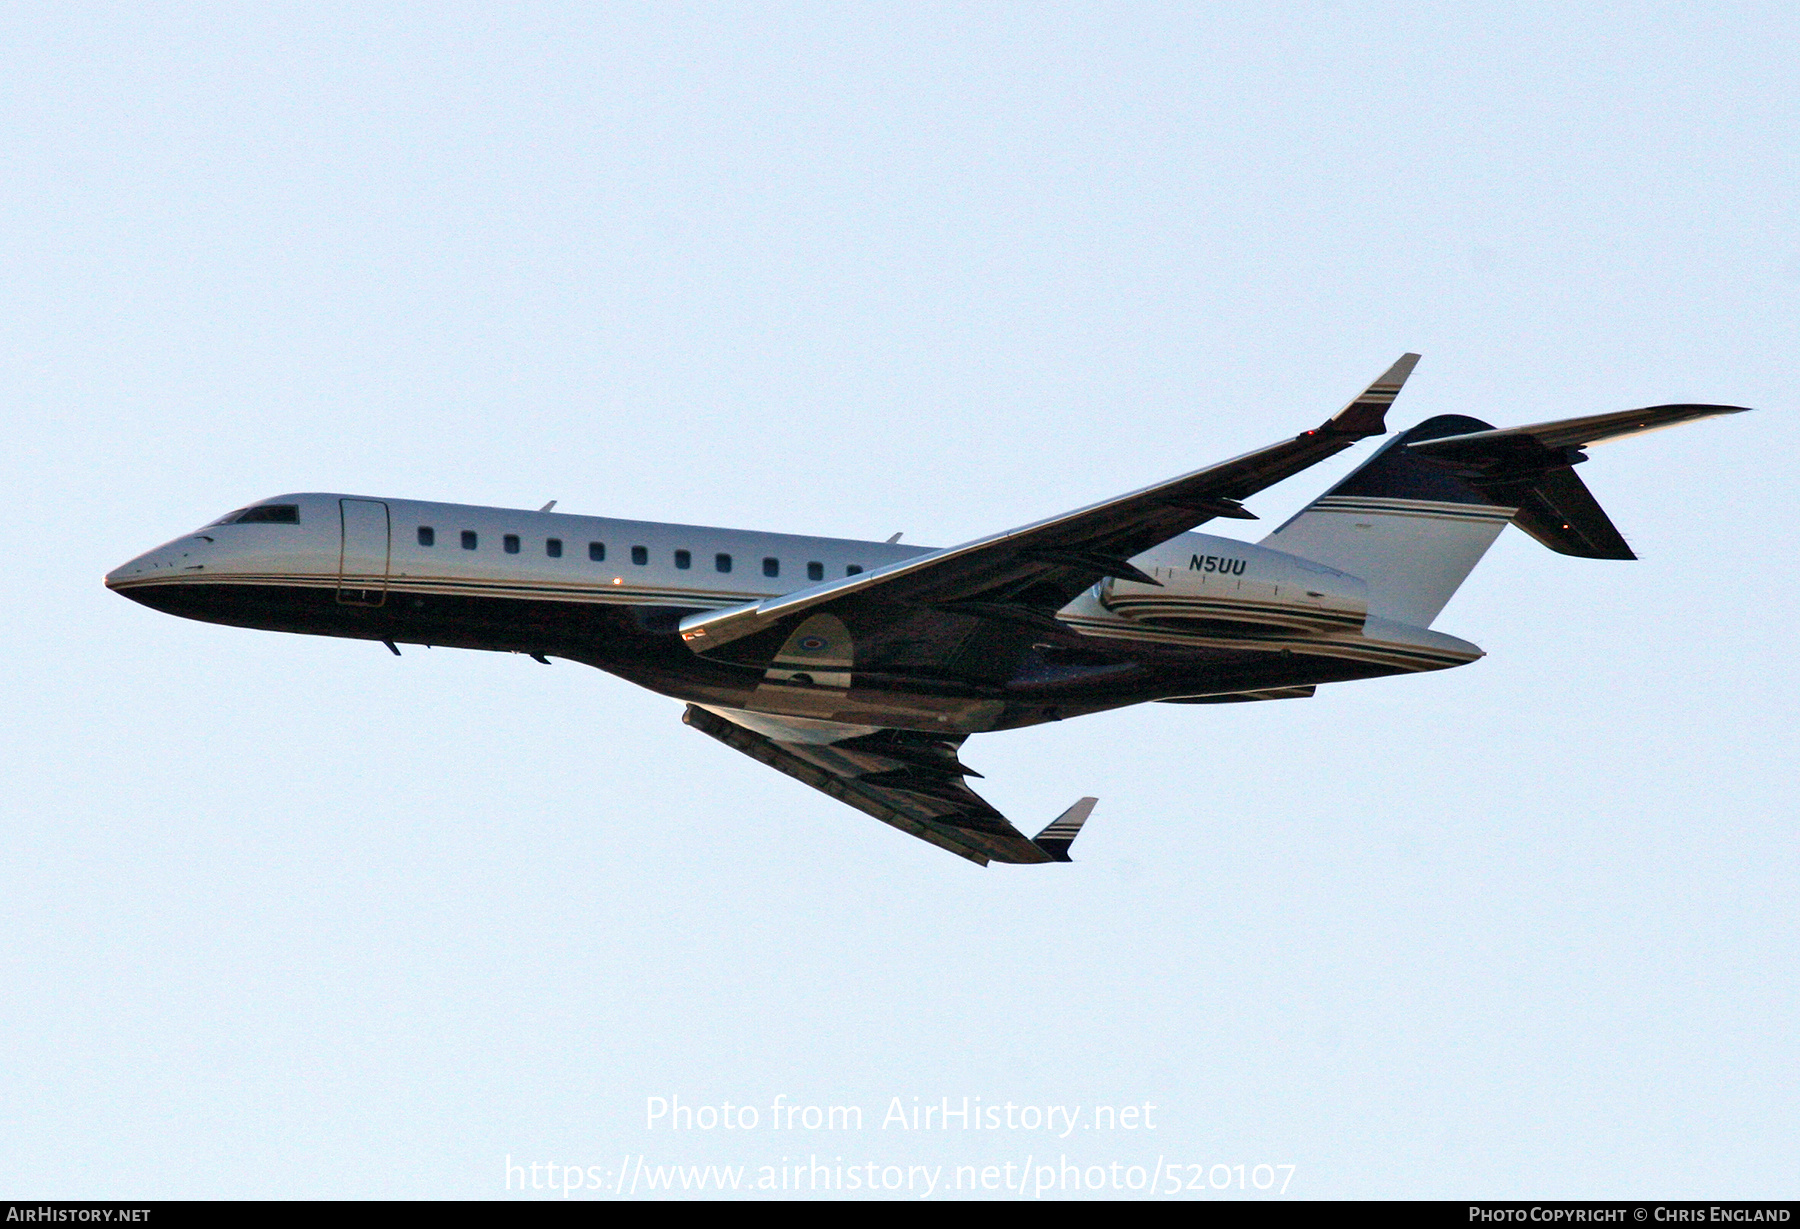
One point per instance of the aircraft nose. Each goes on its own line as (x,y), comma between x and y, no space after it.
(164,560)
(136,569)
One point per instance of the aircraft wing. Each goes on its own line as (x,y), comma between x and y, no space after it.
(911,780)
(1033,571)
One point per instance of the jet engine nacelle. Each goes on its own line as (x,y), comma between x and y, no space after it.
(1226,587)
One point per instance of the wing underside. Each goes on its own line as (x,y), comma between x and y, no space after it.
(910,780)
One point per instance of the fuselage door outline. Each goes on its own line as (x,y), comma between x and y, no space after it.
(363,552)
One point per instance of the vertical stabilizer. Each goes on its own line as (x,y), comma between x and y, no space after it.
(1407,525)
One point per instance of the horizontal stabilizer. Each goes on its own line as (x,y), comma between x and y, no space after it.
(1056,839)
(1558,510)
(1529,468)
(1574,432)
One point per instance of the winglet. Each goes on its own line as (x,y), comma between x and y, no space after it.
(1367,414)
(1056,839)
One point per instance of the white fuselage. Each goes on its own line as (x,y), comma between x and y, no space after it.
(1223,617)
(597,558)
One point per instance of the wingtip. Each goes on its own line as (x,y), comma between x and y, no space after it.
(1061,832)
(1367,415)
(1394,378)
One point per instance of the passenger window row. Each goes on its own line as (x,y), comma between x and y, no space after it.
(640,555)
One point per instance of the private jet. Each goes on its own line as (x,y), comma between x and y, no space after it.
(860,668)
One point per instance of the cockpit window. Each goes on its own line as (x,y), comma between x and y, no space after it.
(262,514)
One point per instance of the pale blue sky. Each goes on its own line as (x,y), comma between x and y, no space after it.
(287,916)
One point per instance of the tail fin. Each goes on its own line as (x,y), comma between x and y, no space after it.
(1418,516)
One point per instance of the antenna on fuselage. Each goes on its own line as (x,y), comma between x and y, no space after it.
(895,538)
(548,506)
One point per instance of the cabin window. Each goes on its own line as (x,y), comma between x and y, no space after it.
(722,562)
(597,551)
(684,559)
(815,570)
(427,536)
(553,547)
(270,514)
(771,567)
(853,570)
(470,541)
(640,555)
(510,543)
